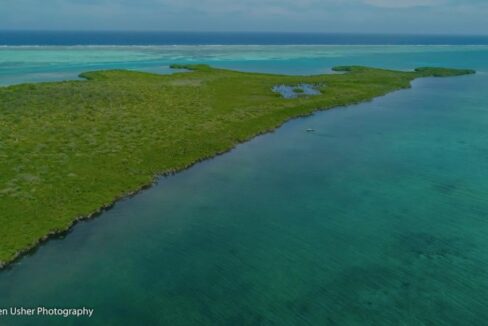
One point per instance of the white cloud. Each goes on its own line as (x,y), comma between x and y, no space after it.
(403,16)
(404,3)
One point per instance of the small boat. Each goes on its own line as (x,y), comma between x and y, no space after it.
(310,130)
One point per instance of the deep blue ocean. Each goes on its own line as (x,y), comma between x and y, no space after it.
(379,217)
(225,38)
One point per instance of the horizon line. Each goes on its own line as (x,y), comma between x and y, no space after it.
(242,32)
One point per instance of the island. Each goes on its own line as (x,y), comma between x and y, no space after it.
(70,149)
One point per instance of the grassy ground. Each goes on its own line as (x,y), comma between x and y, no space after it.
(69,148)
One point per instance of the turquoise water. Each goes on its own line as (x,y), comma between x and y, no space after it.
(33,64)
(379,217)
(295,91)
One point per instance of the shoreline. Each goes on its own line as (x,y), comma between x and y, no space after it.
(156,177)
(58,234)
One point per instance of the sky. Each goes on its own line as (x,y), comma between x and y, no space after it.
(333,16)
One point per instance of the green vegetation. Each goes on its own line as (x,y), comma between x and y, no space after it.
(442,72)
(70,148)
